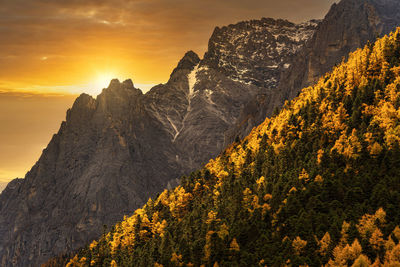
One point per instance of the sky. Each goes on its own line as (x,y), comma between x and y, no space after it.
(53,50)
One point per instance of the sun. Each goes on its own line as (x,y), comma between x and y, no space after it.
(103,80)
(99,82)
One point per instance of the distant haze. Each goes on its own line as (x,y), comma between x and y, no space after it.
(28,122)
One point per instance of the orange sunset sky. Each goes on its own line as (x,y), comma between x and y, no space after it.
(52,50)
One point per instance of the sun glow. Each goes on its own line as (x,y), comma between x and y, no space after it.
(100,82)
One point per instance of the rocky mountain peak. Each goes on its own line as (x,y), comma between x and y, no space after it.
(114,83)
(82,101)
(128,84)
(254,52)
(188,62)
(82,107)
(122,89)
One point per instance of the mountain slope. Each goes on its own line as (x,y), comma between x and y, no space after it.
(349,25)
(114,152)
(317,184)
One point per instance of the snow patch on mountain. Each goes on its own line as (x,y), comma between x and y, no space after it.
(192,78)
(174,127)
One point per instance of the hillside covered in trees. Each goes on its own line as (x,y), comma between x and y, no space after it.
(316,184)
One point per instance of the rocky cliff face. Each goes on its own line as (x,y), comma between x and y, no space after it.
(114,152)
(255,52)
(93,171)
(348,25)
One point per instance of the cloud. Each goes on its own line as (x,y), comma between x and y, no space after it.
(55,42)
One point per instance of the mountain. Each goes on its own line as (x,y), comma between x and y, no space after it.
(315,185)
(114,152)
(349,25)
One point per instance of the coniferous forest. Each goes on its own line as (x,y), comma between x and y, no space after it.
(316,184)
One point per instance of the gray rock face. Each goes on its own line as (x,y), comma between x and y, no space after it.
(348,25)
(255,52)
(114,152)
(89,175)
